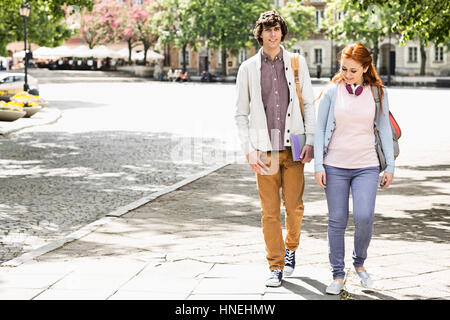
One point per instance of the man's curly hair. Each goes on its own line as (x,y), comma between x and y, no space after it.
(269,19)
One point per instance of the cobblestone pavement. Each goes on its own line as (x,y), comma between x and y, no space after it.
(106,151)
(54,185)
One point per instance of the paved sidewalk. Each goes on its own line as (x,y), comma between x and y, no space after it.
(45,116)
(204,241)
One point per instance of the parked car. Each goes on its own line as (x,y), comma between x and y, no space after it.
(15,81)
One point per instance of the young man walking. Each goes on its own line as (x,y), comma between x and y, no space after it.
(267,113)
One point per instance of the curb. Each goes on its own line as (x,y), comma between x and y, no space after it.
(46,116)
(104,220)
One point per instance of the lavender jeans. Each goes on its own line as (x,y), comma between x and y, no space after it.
(363,182)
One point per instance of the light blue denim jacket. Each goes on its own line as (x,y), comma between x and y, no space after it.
(326,123)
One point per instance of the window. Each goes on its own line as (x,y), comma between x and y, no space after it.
(242,55)
(439,54)
(340,15)
(412,54)
(317,55)
(299,51)
(219,57)
(8,79)
(139,2)
(319,18)
(187,58)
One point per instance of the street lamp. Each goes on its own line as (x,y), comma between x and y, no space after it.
(25,13)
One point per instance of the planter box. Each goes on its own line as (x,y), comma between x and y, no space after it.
(31,111)
(11,115)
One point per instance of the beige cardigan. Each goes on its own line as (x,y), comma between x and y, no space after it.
(250,115)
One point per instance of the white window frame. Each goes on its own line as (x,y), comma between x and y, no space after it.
(319,18)
(321,55)
(414,50)
(243,55)
(439,54)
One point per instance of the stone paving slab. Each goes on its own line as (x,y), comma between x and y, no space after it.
(18,293)
(147,295)
(221,297)
(230,286)
(71,294)
(201,242)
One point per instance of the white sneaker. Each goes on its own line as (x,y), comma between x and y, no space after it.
(289,262)
(366,281)
(275,278)
(335,287)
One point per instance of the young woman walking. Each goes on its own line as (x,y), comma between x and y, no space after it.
(346,158)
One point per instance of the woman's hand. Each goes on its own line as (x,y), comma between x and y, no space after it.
(386,180)
(321,178)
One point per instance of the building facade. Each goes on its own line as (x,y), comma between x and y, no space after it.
(321,51)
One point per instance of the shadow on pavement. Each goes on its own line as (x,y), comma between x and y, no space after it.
(217,206)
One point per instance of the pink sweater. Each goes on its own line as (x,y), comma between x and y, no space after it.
(352,144)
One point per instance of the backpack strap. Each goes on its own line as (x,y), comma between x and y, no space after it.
(295,67)
(377,104)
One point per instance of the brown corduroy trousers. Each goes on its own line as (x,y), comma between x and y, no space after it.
(288,176)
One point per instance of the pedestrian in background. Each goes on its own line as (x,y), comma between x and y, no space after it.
(266,92)
(346,158)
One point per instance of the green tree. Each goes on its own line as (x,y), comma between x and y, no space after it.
(300,21)
(228,24)
(426,21)
(431,17)
(346,23)
(175,21)
(45,25)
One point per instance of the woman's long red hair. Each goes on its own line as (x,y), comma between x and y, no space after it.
(361,54)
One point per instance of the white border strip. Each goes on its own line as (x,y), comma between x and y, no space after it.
(106,219)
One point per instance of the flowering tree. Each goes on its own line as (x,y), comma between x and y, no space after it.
(111,20)
(141,16)
(99,25)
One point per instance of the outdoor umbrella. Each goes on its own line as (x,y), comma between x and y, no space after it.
(151,55)
(103,52)
(82,52)
(62,52)
(19,54)
(43,53)
(123,53)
